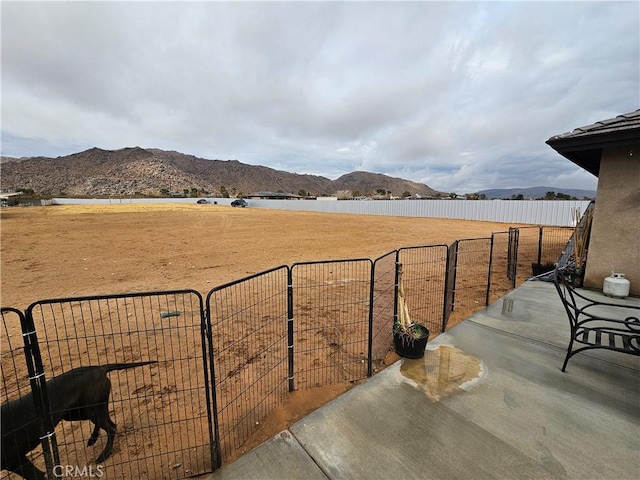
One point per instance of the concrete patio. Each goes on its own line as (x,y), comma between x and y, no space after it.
(488,400)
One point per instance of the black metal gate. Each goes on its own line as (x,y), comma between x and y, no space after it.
(163,411)
(471,266)
(383,309)
(512,256)
(250,343)
(426,284)
(23,383)
(331,312)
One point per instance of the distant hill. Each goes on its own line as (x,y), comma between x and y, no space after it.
(138,171)
(536,192)
(365,183)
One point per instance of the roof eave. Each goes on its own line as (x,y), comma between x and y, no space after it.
(586,150)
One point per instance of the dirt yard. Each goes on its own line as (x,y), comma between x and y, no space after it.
(60,251)
(70,251)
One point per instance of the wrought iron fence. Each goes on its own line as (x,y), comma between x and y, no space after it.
(552,242)
(471,267)
(162,410)
(424,279)
(331,321)
(24,400)
(528,252)
(502,267)
(250,325)
(224,365)
(383,294)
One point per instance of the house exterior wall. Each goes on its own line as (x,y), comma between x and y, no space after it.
(614,244)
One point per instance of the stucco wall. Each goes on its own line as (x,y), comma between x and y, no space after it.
(615,233)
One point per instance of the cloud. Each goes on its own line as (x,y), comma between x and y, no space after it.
(458,95)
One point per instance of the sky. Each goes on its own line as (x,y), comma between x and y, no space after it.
(460,96)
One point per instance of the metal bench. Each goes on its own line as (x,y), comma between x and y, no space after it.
(596,324)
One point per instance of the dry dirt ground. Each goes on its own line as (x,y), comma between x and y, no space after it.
(70,251)
(61,251)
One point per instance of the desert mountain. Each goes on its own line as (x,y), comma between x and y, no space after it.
(138,171)
(536,192)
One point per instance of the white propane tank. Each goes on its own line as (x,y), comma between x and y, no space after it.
(616,286)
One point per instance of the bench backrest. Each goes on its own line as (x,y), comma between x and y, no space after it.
(563,280)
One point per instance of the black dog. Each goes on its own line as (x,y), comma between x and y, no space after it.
(79,394)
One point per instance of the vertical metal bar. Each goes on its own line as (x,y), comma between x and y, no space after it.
(370,334)
(486,302)
(455,276)
(39,389)
(512,262)
(446,293)
(512,255)
(516,242)
(212,403)
(450,280)
(290,327)
(395,290)
(540,245)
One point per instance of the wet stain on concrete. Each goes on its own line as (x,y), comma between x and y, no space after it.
(511,400)
(442,372)
(550,463)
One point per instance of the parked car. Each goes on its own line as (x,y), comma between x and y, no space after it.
(202,201)
(239,202)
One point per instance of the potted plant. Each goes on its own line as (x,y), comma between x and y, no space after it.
(410,338)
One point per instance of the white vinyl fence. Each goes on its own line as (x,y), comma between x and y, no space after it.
(534,212)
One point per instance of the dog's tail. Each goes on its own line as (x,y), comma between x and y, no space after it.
(123,366)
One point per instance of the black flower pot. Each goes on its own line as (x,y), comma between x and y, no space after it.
(577,278)
(411,344)
(539,269)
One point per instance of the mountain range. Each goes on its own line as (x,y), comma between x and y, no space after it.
(153,172)
(138,171)
(536,192)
